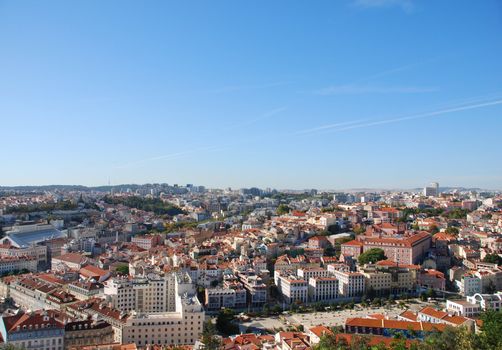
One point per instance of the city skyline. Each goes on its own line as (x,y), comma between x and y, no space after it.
(330,95)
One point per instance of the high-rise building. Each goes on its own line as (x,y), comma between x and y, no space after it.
(432,190)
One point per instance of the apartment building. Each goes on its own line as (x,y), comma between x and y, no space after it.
(378,281)
(141,294)
(255,288)
(406,250)
(146,241)
(217,298)
(30,293)
(18,263)
(180,326)
(350,284)
(35,330)
(469,284)
(322,289)
(87,333)
(294,289)
(308,272)
(39,252)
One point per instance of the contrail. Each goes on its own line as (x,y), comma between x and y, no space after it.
(324,127)
(175,155)
(336,127)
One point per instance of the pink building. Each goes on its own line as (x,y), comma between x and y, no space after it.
(431,279)
(407,250)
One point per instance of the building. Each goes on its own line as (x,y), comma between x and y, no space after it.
(18,263)
(73,261)
(323,289)
(469,284)
(294,289)
(352,248)
(407,250)
(217,298)
(87,332)
(432,190)
(29,235)
(141,294)
(147,241)
(35,330)
(389,328)
(39,252)
(350,284)
(379,282)
(255,288)
(183,326)
(432,279)
(463,308)
(475,304)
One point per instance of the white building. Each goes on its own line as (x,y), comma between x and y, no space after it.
(293,289)
(350,284)
(323,289)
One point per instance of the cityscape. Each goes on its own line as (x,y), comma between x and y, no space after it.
(250,175)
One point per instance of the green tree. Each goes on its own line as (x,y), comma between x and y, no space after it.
(433,229)
(224,322)
(491,330)
(283,209)
(493,259)
(209,337)
(451,230)
(123,269)
(371,256)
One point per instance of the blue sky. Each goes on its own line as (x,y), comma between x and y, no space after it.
(283,94)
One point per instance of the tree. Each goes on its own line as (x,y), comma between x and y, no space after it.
(224,322)
(10,347)
(434,229)
(359,230)
(491,330)
(209,337)
(283,209)
(451,230)
(493,259)
(123,269)
(371,256)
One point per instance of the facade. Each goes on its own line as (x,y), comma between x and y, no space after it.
(469,284)
(388,328)
(323,289)
(39,252)
(378,281)
(432,279)
(217,298)
(463,308)
(141,294)
(18,263)
(294,290)
(146,241)
(37,330)
(350,284)
(407,251)
(87,333)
